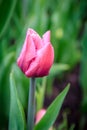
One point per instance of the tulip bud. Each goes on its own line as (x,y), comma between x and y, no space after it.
(37,55)
(39,115)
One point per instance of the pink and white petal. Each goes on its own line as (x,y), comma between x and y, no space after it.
(46,37)
(27,54)
(46,58)
(30,49)
(31,72)
(30,31)
(36,38)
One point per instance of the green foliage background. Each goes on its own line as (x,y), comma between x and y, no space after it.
(67,21)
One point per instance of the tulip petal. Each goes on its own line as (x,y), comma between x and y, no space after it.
(42,63)
(36,38)
(46,57)
(27,54)
(46,37)
(31,72)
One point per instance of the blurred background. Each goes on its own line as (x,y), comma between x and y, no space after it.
(67,20)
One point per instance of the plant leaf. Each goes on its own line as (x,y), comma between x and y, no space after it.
(17,118)
(52,112)
(6,11)
(57,68)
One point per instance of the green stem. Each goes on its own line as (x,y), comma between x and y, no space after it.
(31,105)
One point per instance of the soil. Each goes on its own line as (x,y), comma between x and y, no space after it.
(72,101)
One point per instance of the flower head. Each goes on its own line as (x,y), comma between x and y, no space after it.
(37,55)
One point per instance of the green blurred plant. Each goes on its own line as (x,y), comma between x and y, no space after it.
(83,74)
(63,18)
(17,118)
(66,27)
(45,85)
(6,11)
(64,124)
(83,79)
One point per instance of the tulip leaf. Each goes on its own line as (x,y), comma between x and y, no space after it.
(4,83)
(16,118)
(6,11)
(52,112)
(57,68)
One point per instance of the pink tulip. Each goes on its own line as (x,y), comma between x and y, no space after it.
(37,55)
(39,115)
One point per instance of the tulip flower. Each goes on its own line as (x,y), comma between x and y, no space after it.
(35,60)
(39,116)
(37,55)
